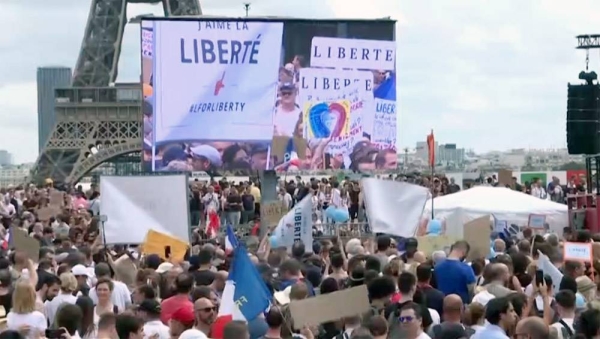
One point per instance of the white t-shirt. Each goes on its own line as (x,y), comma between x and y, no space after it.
(285,122)
(156,327)
(121,297)
(336,198)
(483,297)
(36,320)
(423,335)
(53,305)
(435,316)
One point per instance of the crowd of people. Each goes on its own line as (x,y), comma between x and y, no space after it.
(77,287)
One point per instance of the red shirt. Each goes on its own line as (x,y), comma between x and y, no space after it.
(172,304)
(255,229)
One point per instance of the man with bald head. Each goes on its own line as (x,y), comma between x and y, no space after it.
(532,328)
(419,257)
(495,276)
(206,313)
(219,282)
(499,275)
(452,315)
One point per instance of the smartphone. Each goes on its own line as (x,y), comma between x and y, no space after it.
(55,333)
(167,252)
(539,277)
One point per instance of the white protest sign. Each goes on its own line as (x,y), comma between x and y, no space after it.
(134,205)
(394,207)
(296,226)
(327,85)
(383,124)
(218,74)
(147,42)
(537,221)
(353,53)
(578,251)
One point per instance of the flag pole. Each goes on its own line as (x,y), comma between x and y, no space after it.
(431,158)
(432,190)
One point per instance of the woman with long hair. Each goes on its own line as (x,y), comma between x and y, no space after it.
(88,329)
(23,317)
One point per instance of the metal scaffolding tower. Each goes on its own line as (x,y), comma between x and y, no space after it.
(93,114)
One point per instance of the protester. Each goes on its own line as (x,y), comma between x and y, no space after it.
(79,286)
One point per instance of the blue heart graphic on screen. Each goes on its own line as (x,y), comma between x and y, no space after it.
(327,120)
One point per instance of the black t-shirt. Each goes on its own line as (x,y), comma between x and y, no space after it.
(234,203)
(195,202)
(248,202)
(204,277)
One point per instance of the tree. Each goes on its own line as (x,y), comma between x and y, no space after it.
(572,165)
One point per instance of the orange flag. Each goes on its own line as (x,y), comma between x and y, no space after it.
(431,149)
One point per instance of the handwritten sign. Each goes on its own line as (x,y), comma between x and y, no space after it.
(537,221)
(384,124)
(578,251)
(157,243)
(147,42)
(272,212)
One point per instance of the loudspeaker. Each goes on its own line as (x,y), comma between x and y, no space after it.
(583,119)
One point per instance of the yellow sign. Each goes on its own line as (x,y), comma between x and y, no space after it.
(164,245)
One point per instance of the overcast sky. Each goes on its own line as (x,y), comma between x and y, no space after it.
(487,75)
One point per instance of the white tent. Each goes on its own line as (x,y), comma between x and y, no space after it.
(501,203)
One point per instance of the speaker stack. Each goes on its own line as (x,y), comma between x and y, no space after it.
(583,119)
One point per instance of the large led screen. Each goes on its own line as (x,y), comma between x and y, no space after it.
(232,97)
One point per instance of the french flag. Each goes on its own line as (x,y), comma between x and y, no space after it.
(213,223)
(228,311)
(6,241)
(231,241)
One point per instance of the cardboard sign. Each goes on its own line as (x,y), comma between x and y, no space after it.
(505,178)
(57,198)
(477,233)
(431,243)
(164,245)
(21,241)
(330,307)
(537,221)
(44,214)
(578,251)
(271,212)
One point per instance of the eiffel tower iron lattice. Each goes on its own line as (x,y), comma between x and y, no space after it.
(92,115)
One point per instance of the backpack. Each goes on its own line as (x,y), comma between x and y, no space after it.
(566,331)
(436,331)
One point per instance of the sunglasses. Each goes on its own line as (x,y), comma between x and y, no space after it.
(285,94)
(407,319)
(207,309)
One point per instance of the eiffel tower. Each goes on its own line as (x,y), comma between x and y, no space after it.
(95,121)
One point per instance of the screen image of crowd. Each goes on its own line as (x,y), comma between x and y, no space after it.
(290,150)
